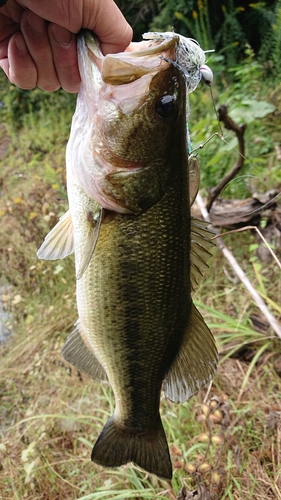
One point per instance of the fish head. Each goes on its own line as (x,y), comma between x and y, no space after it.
(135,104)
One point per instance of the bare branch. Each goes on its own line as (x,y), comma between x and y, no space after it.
(239,131)
(240,273)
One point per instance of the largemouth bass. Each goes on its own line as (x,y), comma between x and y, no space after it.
(138,254)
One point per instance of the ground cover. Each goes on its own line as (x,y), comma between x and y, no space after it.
(224,444)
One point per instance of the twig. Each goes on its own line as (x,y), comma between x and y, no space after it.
(239,131)
(208,392)
(240,273)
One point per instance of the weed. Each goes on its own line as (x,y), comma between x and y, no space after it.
(225,444)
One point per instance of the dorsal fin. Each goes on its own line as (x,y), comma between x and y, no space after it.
(194,178)
(195,363)
(59,242)
(199,249)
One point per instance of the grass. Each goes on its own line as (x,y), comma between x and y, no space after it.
(225,443)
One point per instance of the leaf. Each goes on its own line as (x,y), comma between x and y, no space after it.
(18,200)
(58,269)
(249,110)
(28,467)
(29,319)
(28,452)
(17,299)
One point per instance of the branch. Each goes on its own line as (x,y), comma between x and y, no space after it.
(240,273)
(239,131)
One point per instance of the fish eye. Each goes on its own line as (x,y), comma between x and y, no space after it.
(165,106)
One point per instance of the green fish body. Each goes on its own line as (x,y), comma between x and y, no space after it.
(138,254)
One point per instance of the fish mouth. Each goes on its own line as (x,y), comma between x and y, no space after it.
(139,59)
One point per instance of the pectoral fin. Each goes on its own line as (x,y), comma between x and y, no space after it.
(77,353)
(195,363)
(94,231)
(59,242)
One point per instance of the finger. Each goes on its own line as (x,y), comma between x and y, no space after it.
(7,27)
(64,44)
(19,66)
(9,15)
(34,30)
(4,48)
(101,16)
(109,24)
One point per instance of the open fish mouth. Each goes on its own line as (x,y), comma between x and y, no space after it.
(139,59)
(154,53)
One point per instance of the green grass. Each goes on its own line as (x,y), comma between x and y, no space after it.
(51,415)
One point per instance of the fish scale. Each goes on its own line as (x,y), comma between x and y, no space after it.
(138,253)
(144,282)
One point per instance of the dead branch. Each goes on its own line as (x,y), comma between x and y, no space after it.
(240,273)
(239,131)
(234,214)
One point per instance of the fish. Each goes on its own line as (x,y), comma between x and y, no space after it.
(138,252)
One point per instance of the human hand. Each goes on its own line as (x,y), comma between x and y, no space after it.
(38,39)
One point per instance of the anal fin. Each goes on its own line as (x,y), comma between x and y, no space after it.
(77,353)
(195,363)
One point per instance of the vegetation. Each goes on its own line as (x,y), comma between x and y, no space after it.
(226,444)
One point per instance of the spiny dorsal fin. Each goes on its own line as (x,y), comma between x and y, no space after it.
(199,249)
(94,231)
(59,242)
(77,353)
(194,178)
(195,363)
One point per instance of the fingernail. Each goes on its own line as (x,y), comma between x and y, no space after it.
(20,44)
(36,23)
(61,35)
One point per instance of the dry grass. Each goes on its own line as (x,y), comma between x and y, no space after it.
(51,415)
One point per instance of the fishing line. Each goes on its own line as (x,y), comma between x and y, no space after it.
(216,112)
(241,229)
(220,134)
(191,63)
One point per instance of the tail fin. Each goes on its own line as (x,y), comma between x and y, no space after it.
(118,446)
